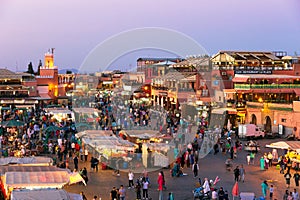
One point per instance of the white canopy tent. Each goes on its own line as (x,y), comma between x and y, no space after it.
(105,142)
(141,134)
(32,161)
(293,145)
(47,194)
(34,180)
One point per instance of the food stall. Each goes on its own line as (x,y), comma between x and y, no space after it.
(27,161)
(139,136)
(47,194)
(33,180)
(86,114)
(106,144)
(292,148)
(60,114)
(157,154)
(251,146)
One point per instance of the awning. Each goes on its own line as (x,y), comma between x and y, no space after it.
(293,145)
(267,90)
(229,91)
(44,96)
(5,108)
(297,92)
(232,112)
(240,79)
(221,111)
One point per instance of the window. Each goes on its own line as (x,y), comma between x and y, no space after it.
(283,120)
(204,93)
(202,83)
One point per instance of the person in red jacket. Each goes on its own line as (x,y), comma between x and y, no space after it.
(160,181)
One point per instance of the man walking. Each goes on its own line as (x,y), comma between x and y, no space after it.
(122,192)
(295,195)
(236,173)
(242,173)
(75,159)
(145,185)
(195,169)
(86,153)
(296,177)
(130,179)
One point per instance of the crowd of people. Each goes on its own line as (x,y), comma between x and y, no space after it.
(63,146)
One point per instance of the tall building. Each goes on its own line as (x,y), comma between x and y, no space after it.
(17,90)
(265,88)
(47,81)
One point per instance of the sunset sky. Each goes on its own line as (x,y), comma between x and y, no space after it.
(29,28)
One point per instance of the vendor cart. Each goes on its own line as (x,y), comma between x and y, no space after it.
(251,146)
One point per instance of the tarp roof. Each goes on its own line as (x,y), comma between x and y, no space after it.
(94,133)
(86,110)
(46,161)
(222,110)
(47,194)
(55,179)
(104,139)
(293,145)
(141,134)
(16,168)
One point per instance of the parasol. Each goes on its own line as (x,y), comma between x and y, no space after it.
(13,123)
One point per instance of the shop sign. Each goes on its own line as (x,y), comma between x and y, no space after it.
(253,72)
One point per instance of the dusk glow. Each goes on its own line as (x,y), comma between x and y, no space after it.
(74,29)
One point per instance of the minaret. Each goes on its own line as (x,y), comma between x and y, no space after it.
(49,59)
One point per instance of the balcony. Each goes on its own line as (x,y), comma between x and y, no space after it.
(265,86)
(271,106)
(13,94)
(186,90)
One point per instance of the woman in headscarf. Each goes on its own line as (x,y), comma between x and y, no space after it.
(264,188)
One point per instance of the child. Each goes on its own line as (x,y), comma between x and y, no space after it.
(271,191)
(170,197)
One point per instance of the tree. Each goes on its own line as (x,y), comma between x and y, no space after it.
(30,68)
(39,67)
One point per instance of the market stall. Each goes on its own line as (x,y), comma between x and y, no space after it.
(47,194)
(292,148)
(86,114)
(156,154)
(251,146)
(29,161)
(34,180)
(106,143)
(139,136)
(18,168)
(292,145)
(60,114)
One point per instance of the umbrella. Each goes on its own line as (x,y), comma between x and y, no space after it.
(51,128)
(235,190)
(13,123)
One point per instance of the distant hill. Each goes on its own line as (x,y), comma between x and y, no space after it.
(63,71)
